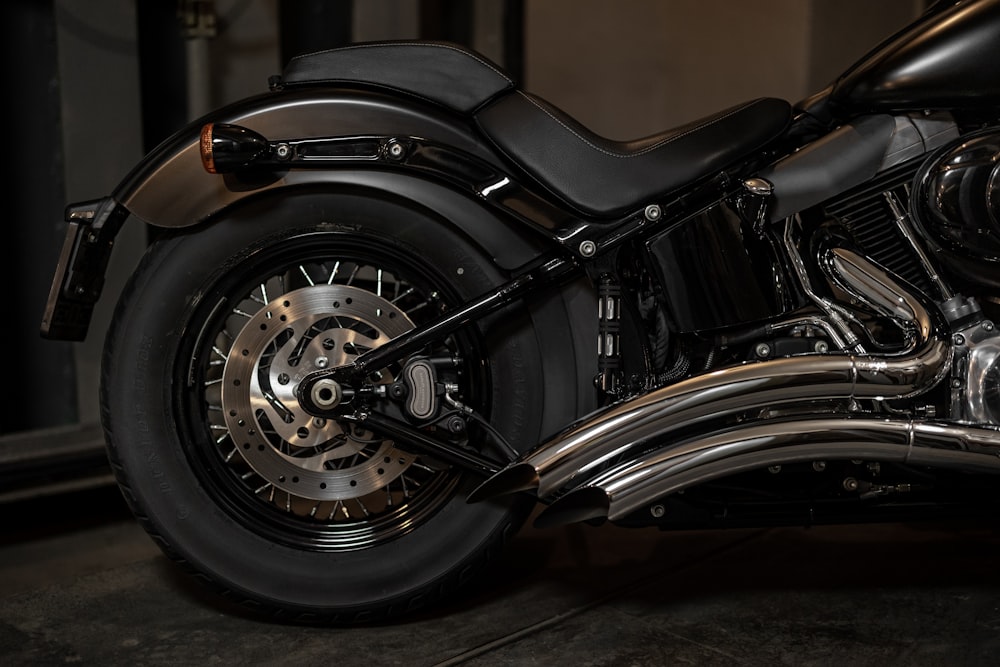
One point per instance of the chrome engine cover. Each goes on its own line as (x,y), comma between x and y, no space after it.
(957,197)
(975,383)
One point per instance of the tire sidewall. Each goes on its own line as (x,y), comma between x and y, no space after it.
(140,413)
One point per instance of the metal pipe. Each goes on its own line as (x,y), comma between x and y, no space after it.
(571,457)
(625,488)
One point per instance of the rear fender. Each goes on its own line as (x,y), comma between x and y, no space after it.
(170,188)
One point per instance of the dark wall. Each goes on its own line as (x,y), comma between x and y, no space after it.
(40,381)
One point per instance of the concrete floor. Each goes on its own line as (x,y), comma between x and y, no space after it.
(81,583)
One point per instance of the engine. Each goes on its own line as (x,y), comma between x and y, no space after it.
(948,205)
(957,206)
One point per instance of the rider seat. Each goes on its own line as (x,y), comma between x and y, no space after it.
(595,175)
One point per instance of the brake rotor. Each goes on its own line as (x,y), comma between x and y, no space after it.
(312,328)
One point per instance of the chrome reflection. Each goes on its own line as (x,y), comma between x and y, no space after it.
(572,457)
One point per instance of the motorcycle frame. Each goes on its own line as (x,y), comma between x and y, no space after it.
(427,160)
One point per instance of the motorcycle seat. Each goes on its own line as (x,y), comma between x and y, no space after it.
(440,72)
(603,177)
(595,175)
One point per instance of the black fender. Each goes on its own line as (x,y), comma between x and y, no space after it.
(170,188)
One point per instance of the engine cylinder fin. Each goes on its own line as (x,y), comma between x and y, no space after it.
(865,214)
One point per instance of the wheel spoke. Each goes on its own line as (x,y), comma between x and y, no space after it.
(307,276)
(330,477)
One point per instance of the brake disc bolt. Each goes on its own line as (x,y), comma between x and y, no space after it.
(322,362)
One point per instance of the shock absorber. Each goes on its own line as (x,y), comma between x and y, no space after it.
(609,300)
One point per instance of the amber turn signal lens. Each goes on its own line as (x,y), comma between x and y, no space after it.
(228,148)
(207,159)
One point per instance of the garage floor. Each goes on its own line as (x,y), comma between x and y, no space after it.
(80,583)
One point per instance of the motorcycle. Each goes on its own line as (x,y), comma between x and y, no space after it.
(397,303)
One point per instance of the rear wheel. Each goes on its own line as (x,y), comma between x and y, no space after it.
(311,518)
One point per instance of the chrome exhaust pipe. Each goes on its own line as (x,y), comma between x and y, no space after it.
(573,456)
(619,491)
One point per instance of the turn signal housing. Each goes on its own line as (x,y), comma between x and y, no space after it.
(226,148)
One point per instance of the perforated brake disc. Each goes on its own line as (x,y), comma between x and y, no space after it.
(321,326)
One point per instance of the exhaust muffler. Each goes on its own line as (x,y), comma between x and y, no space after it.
(621,490)
(572,457)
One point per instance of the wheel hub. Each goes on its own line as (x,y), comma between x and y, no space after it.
(292,336)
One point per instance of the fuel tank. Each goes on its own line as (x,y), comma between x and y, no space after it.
(947,59)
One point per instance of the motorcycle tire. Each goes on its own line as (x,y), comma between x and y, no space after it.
(380,530)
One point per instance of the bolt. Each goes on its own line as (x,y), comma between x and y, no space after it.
(319,422)
(758,186)
(821,347)
(958,339)
(850,484)
(987,326)
(396,150)
(657,511)
(956,383)
(819,466)
(588,248)
(653,213)
(326,394)
(456,424)
(763,350)
(322,362)
(283,151)
(774,470)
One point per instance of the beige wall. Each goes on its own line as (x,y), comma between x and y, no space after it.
(630,68)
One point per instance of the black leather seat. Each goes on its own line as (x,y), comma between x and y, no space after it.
(603,177)
(439,72)
(597,176)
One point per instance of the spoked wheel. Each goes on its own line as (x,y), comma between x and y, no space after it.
(313,518)
(348,487)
